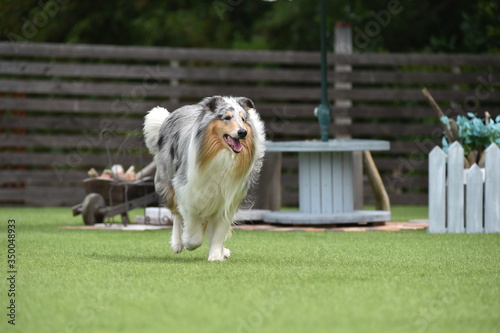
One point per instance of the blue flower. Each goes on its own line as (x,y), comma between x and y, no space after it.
(473,133)
(445,120)
(445,144)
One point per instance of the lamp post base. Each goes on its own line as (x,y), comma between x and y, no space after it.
(323,113)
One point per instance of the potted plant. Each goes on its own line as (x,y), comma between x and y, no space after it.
(473,134)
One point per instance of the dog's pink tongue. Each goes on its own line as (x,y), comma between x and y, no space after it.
(235,144)
(237,147)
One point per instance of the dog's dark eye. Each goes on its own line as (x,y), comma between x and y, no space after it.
(227,117)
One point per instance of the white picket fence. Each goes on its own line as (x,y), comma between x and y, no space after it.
(461,201)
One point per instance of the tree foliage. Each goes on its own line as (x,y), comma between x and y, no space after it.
(434,26)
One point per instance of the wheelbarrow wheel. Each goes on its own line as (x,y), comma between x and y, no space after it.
(90,209)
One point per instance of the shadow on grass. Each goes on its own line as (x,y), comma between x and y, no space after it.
(182,258)
(160,259)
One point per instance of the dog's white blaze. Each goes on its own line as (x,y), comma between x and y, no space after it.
(236,114)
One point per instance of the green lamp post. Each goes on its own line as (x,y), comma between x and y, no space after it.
(323,111)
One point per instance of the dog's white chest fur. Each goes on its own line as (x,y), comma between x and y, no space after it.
(214,191)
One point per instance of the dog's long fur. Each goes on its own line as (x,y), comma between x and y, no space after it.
(207,156)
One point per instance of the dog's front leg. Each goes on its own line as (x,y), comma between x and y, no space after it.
(192,234)
(176,241)
(217,232)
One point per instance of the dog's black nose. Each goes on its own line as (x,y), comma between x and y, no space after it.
(242,133)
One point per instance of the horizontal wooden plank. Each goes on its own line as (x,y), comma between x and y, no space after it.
(53,50)
(274,111)
(410,94)
(311,129)
(151,53)
(75,159)
(69,196)
(408,77)
(371,112)
(405,112)
(79,157)
(83,70)
(44,196)
(122,107)
(152,75)
(79,88)
(291,112)
(119,106)
(41,177)
(415,59)
(385,129)
(138,91)
(85,143)
(110,125)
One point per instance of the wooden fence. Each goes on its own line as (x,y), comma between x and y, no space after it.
(66,108)
(463,201)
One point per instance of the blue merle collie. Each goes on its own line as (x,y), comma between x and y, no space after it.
(207,156)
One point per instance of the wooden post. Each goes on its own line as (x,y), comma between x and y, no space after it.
(382,201)
(343,45)
(267,192)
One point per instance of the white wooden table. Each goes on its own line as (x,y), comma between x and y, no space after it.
(326,182)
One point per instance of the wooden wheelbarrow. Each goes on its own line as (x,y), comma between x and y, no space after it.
(107,197)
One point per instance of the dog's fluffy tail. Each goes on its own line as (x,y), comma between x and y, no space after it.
(152,124)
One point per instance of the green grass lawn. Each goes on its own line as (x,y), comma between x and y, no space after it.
(122,281)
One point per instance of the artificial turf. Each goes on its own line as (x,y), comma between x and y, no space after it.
(121,281)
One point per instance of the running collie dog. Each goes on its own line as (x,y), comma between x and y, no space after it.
(207,156)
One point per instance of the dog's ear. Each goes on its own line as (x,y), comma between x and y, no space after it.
(246,103)
(211,103)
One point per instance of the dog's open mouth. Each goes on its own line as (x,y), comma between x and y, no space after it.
(233,143)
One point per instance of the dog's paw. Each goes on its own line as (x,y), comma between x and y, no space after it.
(177,247)
(220,256)
(226,253)
(216,257)
(192,245)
